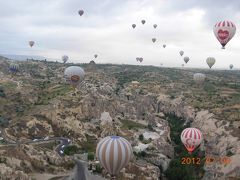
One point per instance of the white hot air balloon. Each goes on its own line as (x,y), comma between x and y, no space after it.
(186,59)
(114,153)
(133,26)
(181,53)
(199,77)
(154,40)
(230,66)
(210,61)
(31,43)
(65,58)
(74,75)
(81,12)
(191,138)
(155,26)
(224,32)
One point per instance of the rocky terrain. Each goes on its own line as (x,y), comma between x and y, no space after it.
(140,103)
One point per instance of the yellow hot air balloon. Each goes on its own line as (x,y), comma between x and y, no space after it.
(210,61)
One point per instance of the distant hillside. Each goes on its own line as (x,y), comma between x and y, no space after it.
(3,58)
(22,57)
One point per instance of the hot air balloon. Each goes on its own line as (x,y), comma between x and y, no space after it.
(199,77)
(182,65)
(140,59)
(95,56)
(155,26)
(31,43)
(133,26)
(64,58)
(114,153)
(210,61)
(164,45)
(13,68)
(181,53)
(186,59)
(81,12)
(191,138)
(154,40)
(143,21)
(224,32)
(74,75)
(137,59)
(230,66)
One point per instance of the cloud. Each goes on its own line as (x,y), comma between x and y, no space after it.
(105,29)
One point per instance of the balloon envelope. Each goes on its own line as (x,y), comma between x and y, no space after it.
(155,26)
(210,61)
(186,59)
(164,45)
(181,53)
(31,43)
(154,40)
(199,77)
(143,21)
(230,66)
(64,58)
(81,12)
(224,31)
(74,75)
(14,67)
(95,56)
(133,26)
(114,153)
(191,138)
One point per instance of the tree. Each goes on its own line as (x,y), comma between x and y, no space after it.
(91,156)
(141,137)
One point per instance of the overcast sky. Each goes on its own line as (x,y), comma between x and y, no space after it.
(105,29)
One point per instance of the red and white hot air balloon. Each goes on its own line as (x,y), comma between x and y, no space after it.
(191,138)
(114,153)
(224,32)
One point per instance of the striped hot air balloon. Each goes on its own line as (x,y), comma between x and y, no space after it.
(199,77)
(191,138)
(224,32)
(114,153)
(13,68)
(210,61)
